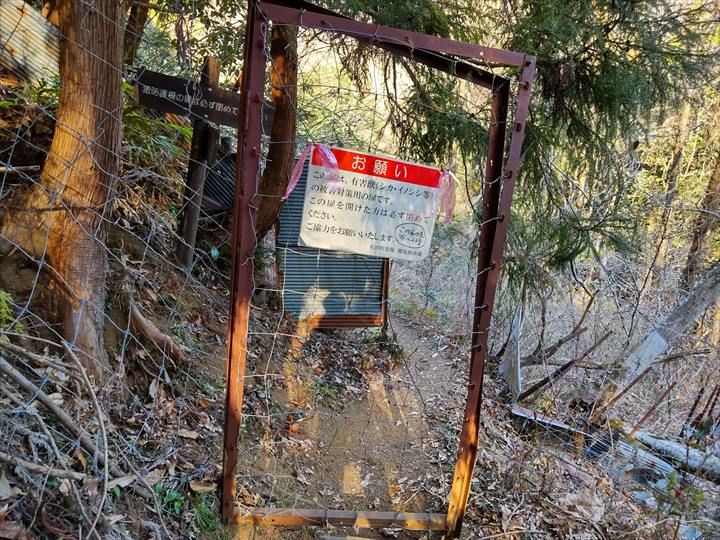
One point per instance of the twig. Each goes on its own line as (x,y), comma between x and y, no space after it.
(538,355)
(704,412)
(43,469)
(103,432)
(651,410)
(34,338)
(51,441)
(19,168)
(679,355)
(53,407)
(560,371)
(692,411)
(67,370)
(622,392)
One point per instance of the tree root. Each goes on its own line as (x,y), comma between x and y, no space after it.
(150,332)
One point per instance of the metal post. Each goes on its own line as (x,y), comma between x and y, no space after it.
(246,185)
(497,198)
(487,270)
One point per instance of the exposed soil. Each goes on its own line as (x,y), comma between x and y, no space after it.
(383,451)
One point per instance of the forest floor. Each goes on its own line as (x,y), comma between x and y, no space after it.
(394,447)
(338,419)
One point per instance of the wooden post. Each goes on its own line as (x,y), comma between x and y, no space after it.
(202,153)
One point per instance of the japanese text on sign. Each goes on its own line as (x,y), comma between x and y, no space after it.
(385,207)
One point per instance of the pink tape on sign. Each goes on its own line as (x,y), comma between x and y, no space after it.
(447,193)
(297,171)
(329,164)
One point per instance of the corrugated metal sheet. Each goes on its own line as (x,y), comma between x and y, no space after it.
(291,213)
(29,43)
(329,283)
(220,183)
(322,283)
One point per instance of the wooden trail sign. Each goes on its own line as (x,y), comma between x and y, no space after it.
(184,97)
(206,104)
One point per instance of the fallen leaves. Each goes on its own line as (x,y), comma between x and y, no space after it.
(203,487)
(188,434)
(8,491)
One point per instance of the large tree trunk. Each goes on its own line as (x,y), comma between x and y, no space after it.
(281,154)
(61,220)
(137,18)
(704,220)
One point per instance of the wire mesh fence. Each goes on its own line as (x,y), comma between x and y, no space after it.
(344,419)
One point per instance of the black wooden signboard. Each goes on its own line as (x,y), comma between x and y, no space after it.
(170,94)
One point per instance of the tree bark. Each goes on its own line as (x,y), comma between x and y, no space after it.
(137,18)
(704,464)
(671,178)
(61,220)
(675,325)
(281,155)
(704,220)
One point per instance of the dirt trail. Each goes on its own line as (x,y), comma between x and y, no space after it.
(386,450)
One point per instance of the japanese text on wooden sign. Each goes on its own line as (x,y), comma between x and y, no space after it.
(181,96)
(384,208)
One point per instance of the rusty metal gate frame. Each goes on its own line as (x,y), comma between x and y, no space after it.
(446,55)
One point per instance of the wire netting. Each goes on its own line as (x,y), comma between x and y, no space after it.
(357,419)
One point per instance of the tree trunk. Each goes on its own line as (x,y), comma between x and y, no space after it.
(704,220)
(704,464)
(675,325)
(61,220)
(281,155)
(671,177)
(137,18)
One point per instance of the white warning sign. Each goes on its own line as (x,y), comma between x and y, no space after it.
(384,207)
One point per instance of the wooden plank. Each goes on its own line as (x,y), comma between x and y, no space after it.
(202,153)
(300,517)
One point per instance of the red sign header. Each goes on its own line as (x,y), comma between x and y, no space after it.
(390,169)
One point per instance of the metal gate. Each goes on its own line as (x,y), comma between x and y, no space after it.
(463,61)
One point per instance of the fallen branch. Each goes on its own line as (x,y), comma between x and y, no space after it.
(19,168)
(538,356)
(43,361)
(149,331)
(651,410)
(53,407)
(679,355)
(68,422)
(103,432)
(51,441)
(565,367)
(42,469)
(685,457)
(705,410)
(602,408)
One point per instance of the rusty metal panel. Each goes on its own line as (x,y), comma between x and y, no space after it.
(338,289)
(29,43)
(330,284)
(496,209)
